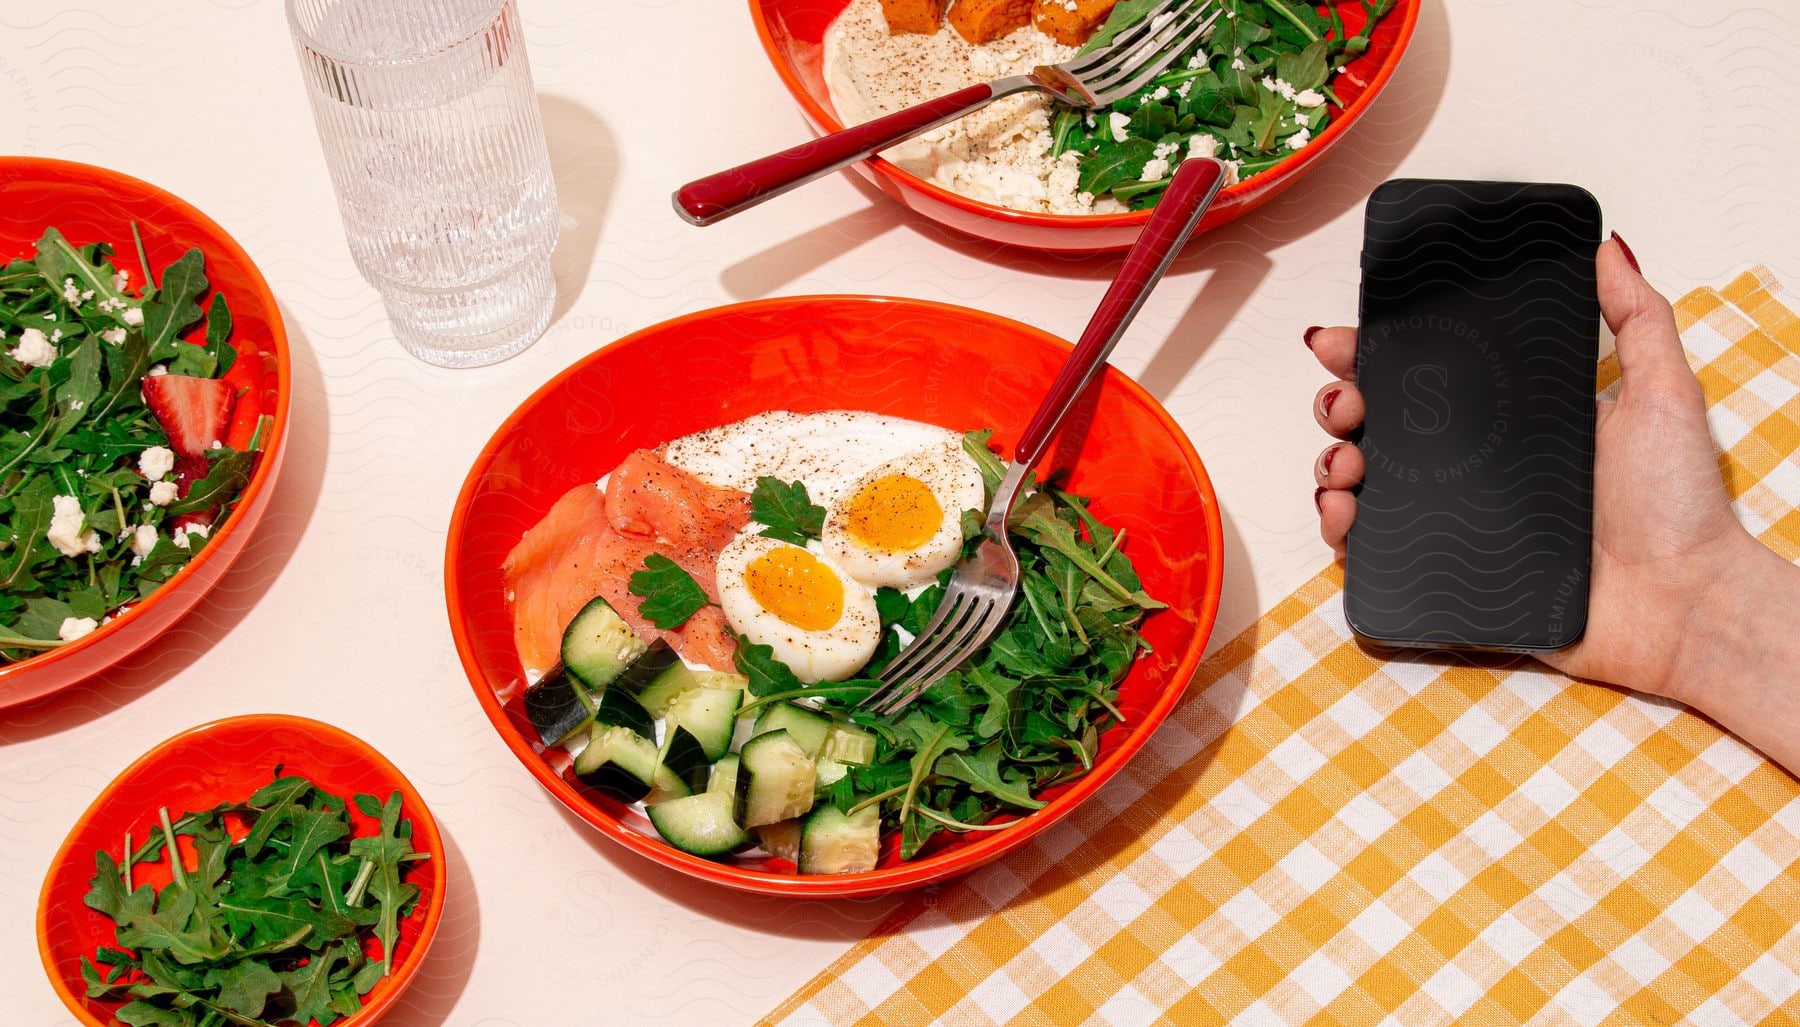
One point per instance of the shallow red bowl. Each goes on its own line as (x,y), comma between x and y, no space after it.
(793,32)
(90,204)
(197,769)
(931,362)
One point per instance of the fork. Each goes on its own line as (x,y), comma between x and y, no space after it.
(1091,80)
(982,589)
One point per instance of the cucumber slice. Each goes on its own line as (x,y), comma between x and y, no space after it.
(827,772)
(808,727)
(686,758)
(558,707)
(617,708)
(709,714)
(657,677)
(847,743)
(724,776)
(598,645)
(625,765)
(833,843)
(699,824)
(775,780)
(721,679)
(781,839)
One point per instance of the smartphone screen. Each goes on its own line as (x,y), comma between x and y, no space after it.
(1477,345)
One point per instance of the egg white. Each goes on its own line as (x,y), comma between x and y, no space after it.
(831,654)
(954,481)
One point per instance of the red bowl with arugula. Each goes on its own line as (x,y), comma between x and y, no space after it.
(87,205)
(227,761)
(940,364)
(792,33)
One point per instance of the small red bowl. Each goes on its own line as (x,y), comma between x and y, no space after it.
(927,361)
(197,769)
(793,33)
(90,204)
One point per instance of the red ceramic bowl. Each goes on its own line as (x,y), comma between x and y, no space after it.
(792,34)
(197,769)
(931,362)
(90,204)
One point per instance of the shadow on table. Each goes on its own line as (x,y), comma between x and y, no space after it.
(840,920)
(1236,254)
(584,158)
(291,506)
(441,978)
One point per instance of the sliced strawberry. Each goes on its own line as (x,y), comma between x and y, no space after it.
(193,412)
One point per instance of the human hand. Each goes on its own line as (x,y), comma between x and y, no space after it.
(1665,539)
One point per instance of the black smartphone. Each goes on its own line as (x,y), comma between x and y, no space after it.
(1478,338)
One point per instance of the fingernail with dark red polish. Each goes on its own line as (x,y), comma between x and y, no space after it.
(1630,257)
(1310,332)
(1325,461)
(1326,402)
(1319,498)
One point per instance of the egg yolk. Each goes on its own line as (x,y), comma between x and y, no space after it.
(796,586)
(895,512)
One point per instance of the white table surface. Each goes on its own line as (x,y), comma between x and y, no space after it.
(1675,114)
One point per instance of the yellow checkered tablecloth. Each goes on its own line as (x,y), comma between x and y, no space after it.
(1318,836)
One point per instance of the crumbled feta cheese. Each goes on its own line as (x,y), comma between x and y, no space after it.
(121,279)
(163,493)
(71,292)
(1237,64)
(111,306)
(1278,86)
(1162,93)
(155,462)
(1309,98)
(216,445)
(158,371)
(1164,149)
(1154,168)
(143,539)
(113,335)
(1299,139)
(76,627)
(133,316)
(1120,124)
(183,536)
(56,335)
(1203,145)
(66,528)
(78,405)
(1186,87)
(34,349)
(1197,61)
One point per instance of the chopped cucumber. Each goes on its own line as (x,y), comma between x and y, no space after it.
(598,645)
(683,754)
(775,780)
(807,727)
(709,714)
(847,743)
(558,707)
(657,677)
(625,765)
(619,709)
(721,679)
(833,843)
(781,839)
(699,824)
(724,776)
(828,772)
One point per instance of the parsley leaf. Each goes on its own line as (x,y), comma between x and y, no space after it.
(767,674)
(670,594)
(785,511)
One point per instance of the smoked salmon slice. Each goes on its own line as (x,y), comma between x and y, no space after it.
(592,540)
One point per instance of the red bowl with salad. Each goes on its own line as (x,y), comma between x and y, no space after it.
(796,36)
(229,787)
(151,453)
(699,762)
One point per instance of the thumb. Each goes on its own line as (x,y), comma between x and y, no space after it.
(1642,322)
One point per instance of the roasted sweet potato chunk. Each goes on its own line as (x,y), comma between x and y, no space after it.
(920,17)
(983,21)
(1072,22)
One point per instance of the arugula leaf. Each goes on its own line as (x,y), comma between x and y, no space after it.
(228,474)
(245,987)
(766,674)
(175,307)
(785,511)
(670,594)
(385,850)
(981,770)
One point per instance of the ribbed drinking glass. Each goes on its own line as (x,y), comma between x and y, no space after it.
(431,130)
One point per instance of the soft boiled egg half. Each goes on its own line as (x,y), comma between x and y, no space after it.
(819,620)
(901,523)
